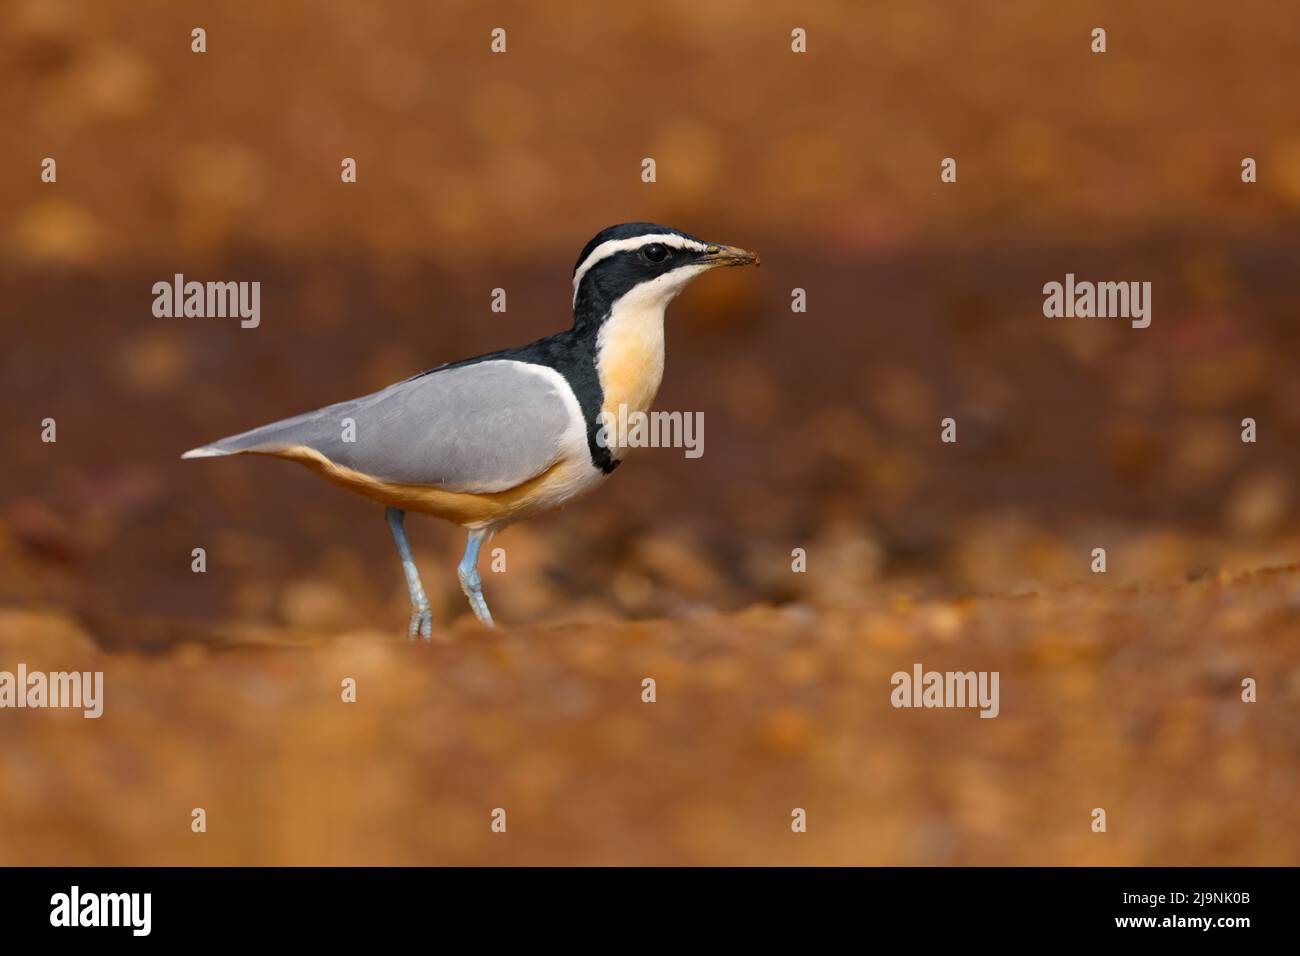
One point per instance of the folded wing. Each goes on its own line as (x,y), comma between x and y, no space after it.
(484,427)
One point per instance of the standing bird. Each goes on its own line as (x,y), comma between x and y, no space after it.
(491,440)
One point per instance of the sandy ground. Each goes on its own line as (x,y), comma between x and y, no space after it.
(1125,700)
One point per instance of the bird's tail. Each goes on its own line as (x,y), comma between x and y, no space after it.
(223,446)
(309,429)
(206,451)
(262,439)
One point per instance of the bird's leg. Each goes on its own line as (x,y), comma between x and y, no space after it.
(470,582)
(421,618)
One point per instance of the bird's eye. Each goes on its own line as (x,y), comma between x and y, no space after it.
(655,252)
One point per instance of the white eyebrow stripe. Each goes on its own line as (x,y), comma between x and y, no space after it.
(611,246)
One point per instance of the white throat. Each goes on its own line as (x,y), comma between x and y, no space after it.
(630,344)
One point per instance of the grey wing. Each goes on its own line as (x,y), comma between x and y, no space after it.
(482,428)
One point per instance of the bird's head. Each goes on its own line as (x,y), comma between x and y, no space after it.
(654,261)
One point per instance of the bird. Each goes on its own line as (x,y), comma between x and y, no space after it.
(488,441)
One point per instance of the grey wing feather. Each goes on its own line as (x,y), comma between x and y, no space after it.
(482,428)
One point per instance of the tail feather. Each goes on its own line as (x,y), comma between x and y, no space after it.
(258,439)
(307,429)
(207,451)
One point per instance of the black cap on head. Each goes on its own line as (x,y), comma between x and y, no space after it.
(628,230)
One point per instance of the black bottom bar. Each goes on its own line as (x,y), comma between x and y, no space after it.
(331,906)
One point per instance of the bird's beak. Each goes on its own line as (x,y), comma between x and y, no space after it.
(728,256)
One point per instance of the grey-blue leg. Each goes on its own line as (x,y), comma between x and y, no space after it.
(470,582)
(421,618)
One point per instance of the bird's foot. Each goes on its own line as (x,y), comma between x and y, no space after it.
(421,623)
(472,585)
(480,609)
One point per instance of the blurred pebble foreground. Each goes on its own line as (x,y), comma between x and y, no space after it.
(1119,691)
